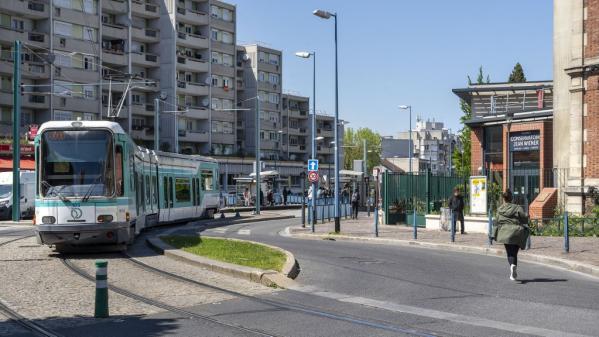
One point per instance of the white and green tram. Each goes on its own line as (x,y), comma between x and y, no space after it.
(95,186)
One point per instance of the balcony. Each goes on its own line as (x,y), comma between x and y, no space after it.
(228,93)
(147,35)
(29,9)
(191,16)
(76,104)
(192,40)
(222,138)
(194,136)
(221,24)
(267,86)
(142,109)
(114,57)
(145,59)
(145,9)
(9,35)
(147,85)
(142,132)
(224,70)
(223,47)
(197,112)
(114,31)
(69,44)
(195,89)
(32,70)
(192,64)
(114,6)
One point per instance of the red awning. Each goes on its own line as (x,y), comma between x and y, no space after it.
(26,164)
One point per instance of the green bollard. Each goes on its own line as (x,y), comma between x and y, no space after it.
(101,310)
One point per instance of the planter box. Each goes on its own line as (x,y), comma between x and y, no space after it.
(473,224)
(420,219)
(395,218)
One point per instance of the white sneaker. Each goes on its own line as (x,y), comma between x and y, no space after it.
(513,273)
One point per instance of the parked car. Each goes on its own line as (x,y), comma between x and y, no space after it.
(27,182)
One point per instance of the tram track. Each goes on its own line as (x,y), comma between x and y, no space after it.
(19,319)
(183,312)
(296,307)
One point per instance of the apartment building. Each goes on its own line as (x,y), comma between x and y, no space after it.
(432,144)
(260,73)
(80,56)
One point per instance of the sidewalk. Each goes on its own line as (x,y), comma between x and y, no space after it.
(583,256)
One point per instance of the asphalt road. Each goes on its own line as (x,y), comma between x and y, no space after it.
(360,289)
(440,292)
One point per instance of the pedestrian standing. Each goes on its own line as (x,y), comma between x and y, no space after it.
(511,229)
(456,204)
(285,194)
(355,202)
(246,197)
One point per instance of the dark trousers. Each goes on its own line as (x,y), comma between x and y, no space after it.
(512,253)
(457,216)
(354,210)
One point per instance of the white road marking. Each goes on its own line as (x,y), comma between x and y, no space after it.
(447,316)
(218,230)
(244,232)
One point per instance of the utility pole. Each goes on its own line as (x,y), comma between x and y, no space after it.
(16,124)
(258,165)
(156,121)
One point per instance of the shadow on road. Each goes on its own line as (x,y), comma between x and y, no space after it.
(542,280)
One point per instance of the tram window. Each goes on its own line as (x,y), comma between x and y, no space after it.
(118,171)
(148,189)
(207,180)
(165,187)
(170,191)
(182,190)
(193,189)
(154,190)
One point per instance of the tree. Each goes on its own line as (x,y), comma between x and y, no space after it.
(353,148)
(461,159)
(517,75)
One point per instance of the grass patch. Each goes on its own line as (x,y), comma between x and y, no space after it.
(242,253)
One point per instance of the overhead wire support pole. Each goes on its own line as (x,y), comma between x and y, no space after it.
(16,123)
(258,165)
(156,126)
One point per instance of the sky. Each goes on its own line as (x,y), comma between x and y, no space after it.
(400,52)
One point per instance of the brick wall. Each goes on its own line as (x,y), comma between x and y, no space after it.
(476,161)
(591,94)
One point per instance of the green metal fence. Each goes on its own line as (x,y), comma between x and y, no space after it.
(402,192)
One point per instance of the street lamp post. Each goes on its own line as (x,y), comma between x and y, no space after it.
(327,15)
(313,133)
(404,107)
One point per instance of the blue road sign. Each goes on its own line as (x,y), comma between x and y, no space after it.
(312,164)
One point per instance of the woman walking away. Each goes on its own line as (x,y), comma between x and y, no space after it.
(511,229)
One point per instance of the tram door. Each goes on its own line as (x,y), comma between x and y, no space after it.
(525,187)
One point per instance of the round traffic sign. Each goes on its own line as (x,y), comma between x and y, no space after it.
(313,176)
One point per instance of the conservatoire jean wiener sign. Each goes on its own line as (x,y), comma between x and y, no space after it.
(525,141)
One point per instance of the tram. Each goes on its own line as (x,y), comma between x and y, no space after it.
(95,186)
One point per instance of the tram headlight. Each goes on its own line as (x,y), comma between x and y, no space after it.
(105,218)
(48,220)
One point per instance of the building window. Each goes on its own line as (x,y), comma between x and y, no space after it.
(227,60)
(273,59)
(261,76)
(273,78)
(61,115)
(262,56)
(227,37)
(6,83)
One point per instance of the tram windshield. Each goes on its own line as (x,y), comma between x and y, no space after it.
(77,163)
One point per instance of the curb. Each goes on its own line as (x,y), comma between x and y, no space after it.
(269,278)
(580,267)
